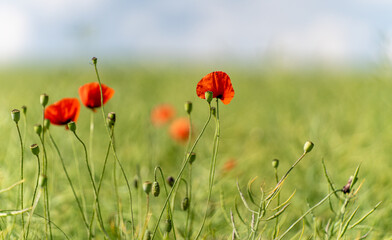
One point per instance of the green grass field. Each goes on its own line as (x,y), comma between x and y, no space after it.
(346,114)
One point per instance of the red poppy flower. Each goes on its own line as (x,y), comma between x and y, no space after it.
(63,111)
(219,84)
(90,94)
(162,114)
(179,129)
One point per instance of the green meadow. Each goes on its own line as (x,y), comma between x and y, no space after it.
(347,114)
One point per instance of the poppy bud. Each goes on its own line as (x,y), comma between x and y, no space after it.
(24,109)
(275,163)
(168,225)
(308,146)
(38,129)
(46,124)
(72,126)
(209,95)
(43,99)
(346,188)
(42,180)
(15,115)
(192,157)
(34,149)
(185,203)
(188,107)
(111,118)
(170,180)
(213,111)
(94,59)
(147,235)
(136,182)
(147,187)
(156,189)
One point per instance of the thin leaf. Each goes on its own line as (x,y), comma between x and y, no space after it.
(347,223)
(285,202)
(365,216)
(244,200)
(278,213)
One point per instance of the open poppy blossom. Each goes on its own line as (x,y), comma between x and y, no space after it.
(179,129)
(63,111)
(162,114)
(219,84)
(90,94)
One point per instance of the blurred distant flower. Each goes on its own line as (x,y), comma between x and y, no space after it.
(63,111)
(90,95)
(179,129)
(219,84)
(162,114)
(229,165)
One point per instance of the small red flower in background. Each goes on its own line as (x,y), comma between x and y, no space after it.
(229,165)
(162,114)
(63,111)
(90,95)
(179,129)
(219,84)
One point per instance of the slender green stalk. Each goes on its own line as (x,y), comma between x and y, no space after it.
(212,167)
(91,140)
(187,223)
(33,206)
(12,186)
(94,187)
(111,141)
(168,209)
(36,184)
(21,176)
(181,171)
(276,227)
(119,215)
(70,183)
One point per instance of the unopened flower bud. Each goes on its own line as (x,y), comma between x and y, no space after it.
(168,225)
(209,95)
(15,115)
(72,126)
(275,163)
(346,188)
(147,235)
(136,182)
(147,187)
(34,149)
(156,189)
(42,180)
(213,111)
(24,109)
(185,203)
(94,59)
(308,146)
(192,157)
(170,180)
(188,107)
(46,124)
(43,99)
(38,129)
(111,118)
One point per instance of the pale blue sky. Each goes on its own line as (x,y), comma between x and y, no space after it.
(333,30)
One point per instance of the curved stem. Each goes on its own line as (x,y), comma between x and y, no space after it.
(213,166)
(70,183)
(37,182)
(181,171)
(48,222)
(188,224)
(21,176)
(94,187)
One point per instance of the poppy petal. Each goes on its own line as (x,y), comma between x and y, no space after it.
(219,84)
(90,94)
(63,111)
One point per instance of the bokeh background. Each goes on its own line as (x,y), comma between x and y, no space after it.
(302,70)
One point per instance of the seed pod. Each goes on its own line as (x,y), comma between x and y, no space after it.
(185,203)
(94,59)
(275,163)
(136,182)
(147,235)
(170,180)
(308,146)
(34,149)
(46,124)
(192,157)
(38,129)
(188,107)
(72,126)
(43,99)
(168,225)
(24,109)
(15,115)
(213,111)
(147,187)
(156,189)
(111,118)
(42,180)
(209,95)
